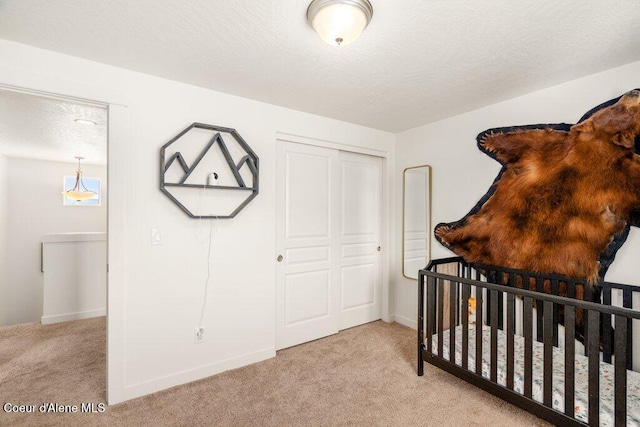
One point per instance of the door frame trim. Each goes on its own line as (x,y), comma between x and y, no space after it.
(385,228)
(116,101)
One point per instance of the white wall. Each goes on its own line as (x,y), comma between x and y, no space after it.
(3,237)
(34,207)
(462,174)
(163,285)
(75,276)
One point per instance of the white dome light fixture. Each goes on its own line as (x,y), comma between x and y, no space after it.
(339,22)
(85,122)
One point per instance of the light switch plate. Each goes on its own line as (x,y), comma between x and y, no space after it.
(156,237)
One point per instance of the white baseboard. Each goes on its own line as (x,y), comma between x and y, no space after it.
(163,383)
(59,318)
(413,324)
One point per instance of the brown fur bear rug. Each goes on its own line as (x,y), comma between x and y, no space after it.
(565,198)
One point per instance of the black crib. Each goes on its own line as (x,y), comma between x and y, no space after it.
(606,332)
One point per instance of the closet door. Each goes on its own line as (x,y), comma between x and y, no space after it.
(328,271)
(307,292)
(360,251)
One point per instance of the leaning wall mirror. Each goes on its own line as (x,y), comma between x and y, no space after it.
(416,220)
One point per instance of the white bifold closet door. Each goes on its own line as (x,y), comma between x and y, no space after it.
(328,242)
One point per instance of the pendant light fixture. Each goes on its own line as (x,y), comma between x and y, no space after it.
(339,22)
(79,192)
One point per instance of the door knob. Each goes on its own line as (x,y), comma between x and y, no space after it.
(378,248)
(280,258)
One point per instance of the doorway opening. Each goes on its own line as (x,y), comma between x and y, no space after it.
(53,249)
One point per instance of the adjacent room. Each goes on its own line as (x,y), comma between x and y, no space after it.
(319,212)
(44,140)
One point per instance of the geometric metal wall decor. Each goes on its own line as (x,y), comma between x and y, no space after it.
(206,175)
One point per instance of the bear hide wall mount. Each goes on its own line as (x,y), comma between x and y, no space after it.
(564,199)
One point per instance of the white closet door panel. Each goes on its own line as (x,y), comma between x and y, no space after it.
(308,205)
(360,196)
(360,260)
(354,252)
(307,214)
(359,291)
(307,296)
(307,255)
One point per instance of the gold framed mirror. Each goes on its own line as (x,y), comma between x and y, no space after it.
(416,220)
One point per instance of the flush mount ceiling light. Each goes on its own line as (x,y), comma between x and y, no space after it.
(339,22)
(85,122)
(79,192)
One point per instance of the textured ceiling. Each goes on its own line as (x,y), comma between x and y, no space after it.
(36,127)
(417,62)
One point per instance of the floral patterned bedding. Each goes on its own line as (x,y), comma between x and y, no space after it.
(581,375)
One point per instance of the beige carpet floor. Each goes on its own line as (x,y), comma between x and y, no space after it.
(361,376)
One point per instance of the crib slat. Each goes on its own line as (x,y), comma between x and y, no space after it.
(528,345)
(628,303)
(569,359)
(501,306)
(585,323)
(431,281)
(548,354)
(594,368)
(571,290)
(606,326)
(493,296)
(588,293)
(539,309)
(500,279)
(555,291)
(490,279)
(431,298)
(440,316)
(511,307)
(620,402)
(453,293)
(420,323)
(479,298)
(466,292)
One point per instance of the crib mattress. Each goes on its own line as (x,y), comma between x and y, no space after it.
(581,374)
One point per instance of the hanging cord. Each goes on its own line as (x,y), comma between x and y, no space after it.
(206,283)
(212,232)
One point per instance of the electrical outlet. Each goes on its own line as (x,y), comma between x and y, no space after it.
(199,335)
